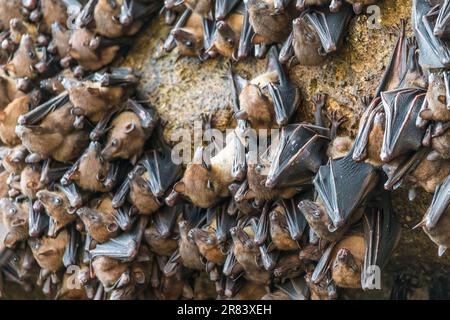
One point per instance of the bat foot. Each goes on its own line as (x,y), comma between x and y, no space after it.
(335,122)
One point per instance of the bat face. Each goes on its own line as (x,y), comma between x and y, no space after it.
(112,273)
(227,36)
(24,59)
(189,41)
(306,43)
(58,208)
(437,98)
(14,161)
(190,255)
(99,220)
(279,231)
(30,181)
(161,245)
(288,267)
(141,195)
(21,262)
(298,156)
(15,220)
(49,252)
(208,245)
(91,171)
(323,290)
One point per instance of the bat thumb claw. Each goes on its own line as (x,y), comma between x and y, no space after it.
(420,224)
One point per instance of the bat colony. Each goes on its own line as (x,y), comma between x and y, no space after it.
(87,179)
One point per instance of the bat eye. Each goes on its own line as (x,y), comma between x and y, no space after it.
(230,41)
(15,259)
(115,142)
(442,99)
(31,55)
(12,211)
(101,176)
(57,201)
(139,277)
(189,44)
(316,213)
(259,168)
(210,185)
(209,241)
(36,245)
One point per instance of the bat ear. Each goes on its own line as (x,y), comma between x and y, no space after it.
(426,114)
(130,127)
(258,39)
(93,91)
(112,227)
(179,187)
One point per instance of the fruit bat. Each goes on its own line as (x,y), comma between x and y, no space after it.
(227,34)
(254,105)
(434,51)
(48,252)
(224,7)
(15,220)
(148,181)
(401,108)
(436,220)
(124,247)
(270,25)
(14,160)
(324,290)
(298,156)
(160,235)
(334,210)
(170,43)
(318,32)
(437,106)
(201,7)
(289,266)
(351,260)
(92,172)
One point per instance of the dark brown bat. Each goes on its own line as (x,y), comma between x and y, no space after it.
(334,211)
(254,103)
(351,260)
(323,290)
(269,24)
(319,32)
(22,262)
(15,220)
(436,220)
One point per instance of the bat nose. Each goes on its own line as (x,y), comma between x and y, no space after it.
(270,182)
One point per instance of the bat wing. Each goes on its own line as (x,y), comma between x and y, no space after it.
(71,252)
(440,203)
(381,235)
(161,169)
(165,219)
(124,247)
(209,30)
(331,27)
(224,7)
(224,223)
(34,116)
(343,185)
(245,40)
(296,221)
(169,43)
(296,288)
(362,139)
(434,52)
(37,221)
(299,154)
(322,267)
(401,107)
(285,95)
(442,26)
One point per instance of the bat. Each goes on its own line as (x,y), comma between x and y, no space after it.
(319,32)
(334,210)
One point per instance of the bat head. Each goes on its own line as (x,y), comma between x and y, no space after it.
(15,220)
(100,225)
(14,161)
(189,41)
(289,267)
(21,262)
(57,206)
(256,108)
(49,252)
